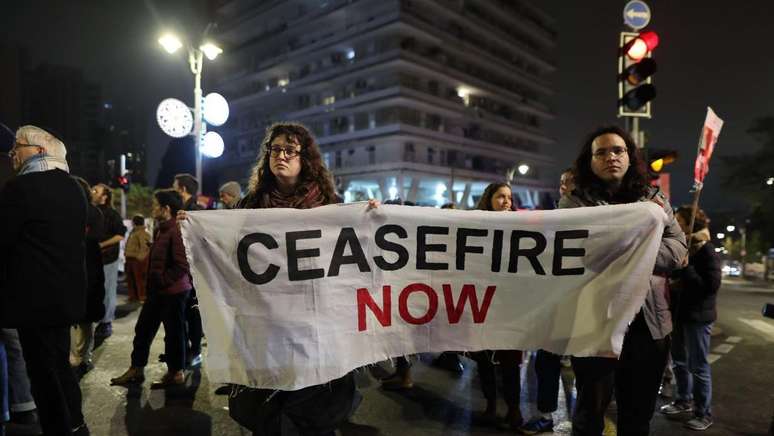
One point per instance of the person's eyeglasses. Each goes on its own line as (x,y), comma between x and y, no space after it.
(290,152)
(615,151)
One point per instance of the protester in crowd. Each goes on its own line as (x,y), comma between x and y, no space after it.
(82,334)
(24,416)
(548,366)
(136,253)
(290,173)
(230,194)
(43,279)
(187,186)
(694,292)
(113,233)
(499,198)
(169,283)
(609,170)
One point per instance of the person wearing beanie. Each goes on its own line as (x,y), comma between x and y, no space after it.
(230,194)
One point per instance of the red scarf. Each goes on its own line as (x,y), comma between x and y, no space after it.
(305,197)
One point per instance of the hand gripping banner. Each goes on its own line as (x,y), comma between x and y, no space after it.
(293,298)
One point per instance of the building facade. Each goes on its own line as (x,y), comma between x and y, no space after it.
(426,100)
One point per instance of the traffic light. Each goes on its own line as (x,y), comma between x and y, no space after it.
(124,181)
(635,70)
(657,158)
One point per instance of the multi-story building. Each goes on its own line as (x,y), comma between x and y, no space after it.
(427,100)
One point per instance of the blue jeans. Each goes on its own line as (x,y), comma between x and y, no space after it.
(111,285)
(20,392)
(690,345)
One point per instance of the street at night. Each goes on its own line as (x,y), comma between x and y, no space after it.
(287,217)
(440,403)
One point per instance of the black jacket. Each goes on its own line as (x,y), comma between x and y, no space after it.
(113,225)
(95,273)
(42,234)
(696,290)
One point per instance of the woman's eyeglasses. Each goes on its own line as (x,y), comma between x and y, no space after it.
(290,152)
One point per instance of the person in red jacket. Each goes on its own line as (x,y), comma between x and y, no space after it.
(169,284)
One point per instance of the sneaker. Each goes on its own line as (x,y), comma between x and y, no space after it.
(169,379)
(132,376)
(676,407)
(538,425)
(699,423)
(104,330)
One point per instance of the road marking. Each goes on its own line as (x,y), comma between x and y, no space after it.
(734,339)
(723,348)
(761,326)
(711,358)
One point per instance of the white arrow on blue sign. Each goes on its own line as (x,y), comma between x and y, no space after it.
(636,14)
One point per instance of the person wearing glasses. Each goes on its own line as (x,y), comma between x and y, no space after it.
(609,170)
(42,272)
(290,173)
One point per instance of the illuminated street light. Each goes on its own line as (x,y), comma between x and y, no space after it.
(523,169)
(721,235)
(211,50)
(170,42)
(770,181)
(195,59)
(730,228)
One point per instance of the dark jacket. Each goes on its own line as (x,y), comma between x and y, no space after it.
(673,249)
(114,225)
(95,273)
(42,269)
(168,271)
(696,290)
(191,204)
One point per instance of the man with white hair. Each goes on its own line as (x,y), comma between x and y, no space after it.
(42,272)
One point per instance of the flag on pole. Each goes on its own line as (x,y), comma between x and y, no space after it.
(709,136)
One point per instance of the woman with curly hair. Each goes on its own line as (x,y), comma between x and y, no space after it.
(610,170)
(290,173)
(498,197)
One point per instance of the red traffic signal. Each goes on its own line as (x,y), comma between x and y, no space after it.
(124,181)
(639,47)
(635,70)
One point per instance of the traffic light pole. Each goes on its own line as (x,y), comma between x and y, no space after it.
(123,192)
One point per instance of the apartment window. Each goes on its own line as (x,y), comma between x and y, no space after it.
(371,155)
(338,159)
(430,155)
(330,99)
(408,152)
(451,157)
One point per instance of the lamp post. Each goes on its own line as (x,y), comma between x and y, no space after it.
(195,60)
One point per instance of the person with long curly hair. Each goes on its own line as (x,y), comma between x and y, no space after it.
(498,197)
(289,173)
(610,170)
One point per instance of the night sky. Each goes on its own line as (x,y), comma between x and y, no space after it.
(711,53)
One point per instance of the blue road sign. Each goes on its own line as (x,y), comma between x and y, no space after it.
(636,14)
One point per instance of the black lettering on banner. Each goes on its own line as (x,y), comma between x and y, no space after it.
(294,254)
(463,247)
(347,236)
(497,250)
(384,244)
(423,247)
(530,253)
(560,251)
(244,265)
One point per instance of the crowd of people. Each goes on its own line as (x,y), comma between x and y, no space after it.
(59,275)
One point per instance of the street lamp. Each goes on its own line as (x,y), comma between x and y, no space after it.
(770,181)
(721,235)
(195,59)
(730,228)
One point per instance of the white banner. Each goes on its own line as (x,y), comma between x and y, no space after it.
(293,298)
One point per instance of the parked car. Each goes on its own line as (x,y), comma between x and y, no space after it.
(732,268)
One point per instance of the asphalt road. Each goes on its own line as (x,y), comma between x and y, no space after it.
(440,403)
